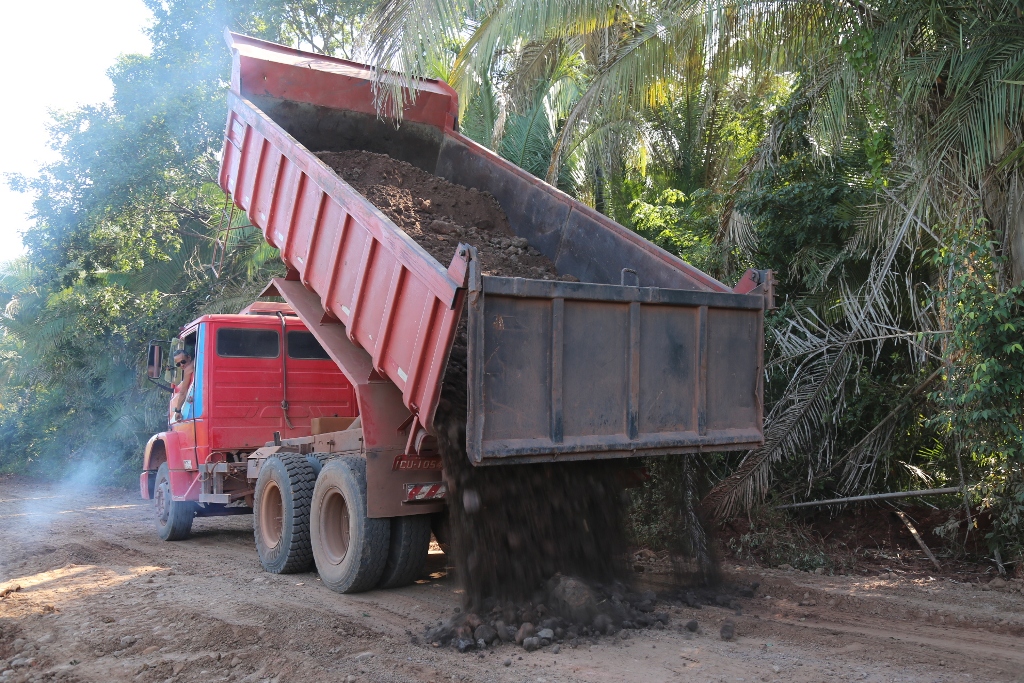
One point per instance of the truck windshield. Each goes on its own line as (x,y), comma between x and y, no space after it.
(248,343)
(304,346)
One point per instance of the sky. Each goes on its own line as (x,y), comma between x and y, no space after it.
(57,59)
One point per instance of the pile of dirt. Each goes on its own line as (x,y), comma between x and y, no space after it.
(564,611)
(439,215)
(567,611)
(512,527)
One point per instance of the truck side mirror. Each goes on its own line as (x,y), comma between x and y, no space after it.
(155,365)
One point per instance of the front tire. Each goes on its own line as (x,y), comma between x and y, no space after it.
(281,513)
(173,517)
(351,549)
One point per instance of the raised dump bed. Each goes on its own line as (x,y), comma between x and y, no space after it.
(645,355)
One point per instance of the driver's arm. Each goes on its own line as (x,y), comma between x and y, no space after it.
(183,388)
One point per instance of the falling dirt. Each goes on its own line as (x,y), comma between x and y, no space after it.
(512,527)
(516,526)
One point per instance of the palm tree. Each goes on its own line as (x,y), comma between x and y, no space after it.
(944,81)
(947,80)
(628,54)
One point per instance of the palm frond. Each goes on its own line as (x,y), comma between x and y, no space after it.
(815,384)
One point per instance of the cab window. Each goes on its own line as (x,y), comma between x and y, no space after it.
(248,343)
(304,346)
(186,343)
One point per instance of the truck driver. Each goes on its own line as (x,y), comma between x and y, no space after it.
(183,360)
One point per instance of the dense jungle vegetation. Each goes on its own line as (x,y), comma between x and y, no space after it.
(870,153)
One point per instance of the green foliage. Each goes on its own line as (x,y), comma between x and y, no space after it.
(805,209)
(119,253)
(518,112)
(330,27)
(673,179)
(682,224)
(773,539)
(983,399)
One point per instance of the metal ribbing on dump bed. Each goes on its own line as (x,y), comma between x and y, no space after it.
(569,371)
(369,274)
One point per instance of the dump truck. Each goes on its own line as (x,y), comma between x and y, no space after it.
(333,448)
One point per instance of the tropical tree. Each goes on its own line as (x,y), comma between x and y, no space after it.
(330,27)
(909,122)
(130,241)
(627,54)
(943,82)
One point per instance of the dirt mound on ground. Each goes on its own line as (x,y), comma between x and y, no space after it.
(566,610)
(513,526)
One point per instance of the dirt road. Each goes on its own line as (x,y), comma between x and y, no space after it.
(101,599)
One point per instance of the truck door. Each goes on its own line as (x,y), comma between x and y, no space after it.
(246,388)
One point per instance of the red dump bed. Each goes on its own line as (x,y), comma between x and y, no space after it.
(395,300)
(667,362)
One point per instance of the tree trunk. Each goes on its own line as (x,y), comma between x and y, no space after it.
(1015,228)
(599,203)
(1003,205)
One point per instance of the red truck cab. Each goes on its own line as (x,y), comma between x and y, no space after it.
(259,375)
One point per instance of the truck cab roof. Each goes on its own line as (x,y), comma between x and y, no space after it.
(256,314)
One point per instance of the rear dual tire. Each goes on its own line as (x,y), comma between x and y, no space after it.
(281,506)
(351,550)
(407,551)
(304,517)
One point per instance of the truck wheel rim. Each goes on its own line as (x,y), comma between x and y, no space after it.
(334,526)
(162,499)
(271,515)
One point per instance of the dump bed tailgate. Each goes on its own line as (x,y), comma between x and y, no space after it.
(562,371)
